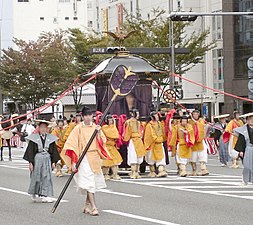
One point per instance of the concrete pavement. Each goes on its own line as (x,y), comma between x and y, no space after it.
(216,199)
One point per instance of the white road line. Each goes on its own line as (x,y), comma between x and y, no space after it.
(22,193)
(139,217)
(119,193)
(13,167)
(202,191)
(230,192)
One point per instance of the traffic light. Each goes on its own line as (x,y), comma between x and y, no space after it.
(183,18)
(113,50)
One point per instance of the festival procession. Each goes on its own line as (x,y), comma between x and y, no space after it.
(126,112)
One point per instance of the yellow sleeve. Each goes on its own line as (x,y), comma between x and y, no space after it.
(149,137)
(191,133)
(128,132)
(69,128)
(229,127)
(173,141)
(54,132)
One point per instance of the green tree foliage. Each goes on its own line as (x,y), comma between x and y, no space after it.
(37,70)
(154,33)
(81,45)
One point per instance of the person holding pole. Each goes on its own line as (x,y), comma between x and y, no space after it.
(89,177)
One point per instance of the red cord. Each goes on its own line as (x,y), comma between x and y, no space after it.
(37,112)
(213,89)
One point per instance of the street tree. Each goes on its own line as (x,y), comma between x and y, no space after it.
(35,71)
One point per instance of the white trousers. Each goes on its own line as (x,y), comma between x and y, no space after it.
(161,162)
(131,155)
(232,153)
(200,156)
(86,180)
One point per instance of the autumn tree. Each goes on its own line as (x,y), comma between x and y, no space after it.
(34,71)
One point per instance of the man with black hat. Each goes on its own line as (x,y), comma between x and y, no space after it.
(59,131)
(244,146)
(153,142)
(89,176)
(42,156)
(199,150)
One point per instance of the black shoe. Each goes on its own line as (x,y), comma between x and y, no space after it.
(10,159)
(2,159)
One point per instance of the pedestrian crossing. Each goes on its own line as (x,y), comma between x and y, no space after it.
(214,184)
(17,163)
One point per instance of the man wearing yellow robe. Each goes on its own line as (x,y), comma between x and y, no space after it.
(59,132)
(183,139)
(234,123)
(199,150)
(153,142)
(135,148)
(72,124)
(89,176)
(112,135)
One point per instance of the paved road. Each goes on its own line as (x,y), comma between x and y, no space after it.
(216,199)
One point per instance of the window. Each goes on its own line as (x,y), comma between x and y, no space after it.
(90,23)
(23,0)
(89,5)
(64,1)
(75,18)
(217,28)
(66,18)
(218,76)
(42,18)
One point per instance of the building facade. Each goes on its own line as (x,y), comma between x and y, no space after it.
(238,48)
(27,19)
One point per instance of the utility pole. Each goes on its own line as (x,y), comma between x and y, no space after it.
(171,43)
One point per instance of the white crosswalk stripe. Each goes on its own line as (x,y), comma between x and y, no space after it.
(17,163)
(214,184)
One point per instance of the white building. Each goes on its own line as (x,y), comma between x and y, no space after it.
(209,73)
(26,19)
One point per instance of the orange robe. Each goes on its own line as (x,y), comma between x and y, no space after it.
(60,133)
(230,127)
(69,128)
(199,133)
(153,140)
(183,139)
(112,135)
(76,143)
(133,132)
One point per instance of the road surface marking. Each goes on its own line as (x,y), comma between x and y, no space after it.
(14,167)
(201,185)
(139,217)
(23,193)
(119,193)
